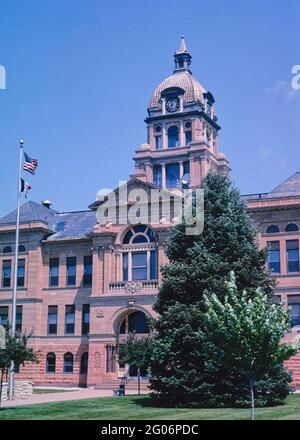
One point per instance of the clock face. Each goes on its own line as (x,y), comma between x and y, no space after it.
(172,105)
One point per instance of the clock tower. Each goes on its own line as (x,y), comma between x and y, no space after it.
(182,126)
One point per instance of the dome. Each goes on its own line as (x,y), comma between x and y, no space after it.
(193,90)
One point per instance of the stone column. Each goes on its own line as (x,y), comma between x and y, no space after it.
(163,175)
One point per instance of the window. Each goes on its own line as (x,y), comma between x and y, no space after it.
(295,314)
(85,325)
(52,320)
(53,272)
(291,228)
(135,322)
(157,175)
(173,175)
(272,229)
(87,271)
(19,315)
(70,320)
(71,271)
(84,363)
(188,137)
(158,142)
(22,248)
(4,315)
(140,264)
(173,137)
(50,363)
(68,363)
(7,250)
(21,273)
(111,358)
(292,249)
(274,256)
(6,273)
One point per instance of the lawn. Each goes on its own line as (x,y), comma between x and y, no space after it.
(141,408)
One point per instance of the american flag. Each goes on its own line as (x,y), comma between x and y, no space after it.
(29,164)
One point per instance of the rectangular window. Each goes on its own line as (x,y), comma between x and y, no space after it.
(153,265)
(6,273)
(85,325)
(295,314)
(87,270)
(173,175)
(157,175)
(188,137)
(52,320)
(274,256)
(71,271)
(4,315)
(139,265)
(292,249)
(19,315)
(21,273)
(110,359)
(158,142)
(186,167)
(70,320)
(125,266)
(53,272)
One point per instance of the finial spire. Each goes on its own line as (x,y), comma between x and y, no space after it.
(182,45)
(182,57)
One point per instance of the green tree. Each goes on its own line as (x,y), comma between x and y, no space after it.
(136,352)
(199,264)
(241,340)
(183,371)
(15,350)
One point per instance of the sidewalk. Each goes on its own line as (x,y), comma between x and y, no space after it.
(84,393)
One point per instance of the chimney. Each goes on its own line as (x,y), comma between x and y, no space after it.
(46,203)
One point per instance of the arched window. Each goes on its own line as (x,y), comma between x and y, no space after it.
(68,363)
(173,136)
(84,363)
(135,322)
(272,229)
(50,363)
(7,250)
(22,248)
(291,227)
(140,254)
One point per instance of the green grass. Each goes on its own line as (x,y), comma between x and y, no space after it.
(141,408)
(48,391)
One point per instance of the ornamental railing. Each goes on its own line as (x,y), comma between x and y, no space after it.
(132,287)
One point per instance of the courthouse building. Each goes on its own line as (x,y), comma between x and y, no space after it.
(83,286)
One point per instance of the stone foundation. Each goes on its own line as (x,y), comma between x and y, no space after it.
(23,390)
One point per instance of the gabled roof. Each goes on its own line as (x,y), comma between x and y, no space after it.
(290,187)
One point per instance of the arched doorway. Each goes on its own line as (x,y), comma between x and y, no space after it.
(135,323)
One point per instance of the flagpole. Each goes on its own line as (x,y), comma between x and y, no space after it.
(14,298)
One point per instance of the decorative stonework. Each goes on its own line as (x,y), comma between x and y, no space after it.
(97,360)
(133,287)
(99,313)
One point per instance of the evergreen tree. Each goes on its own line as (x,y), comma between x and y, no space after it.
(200,263)
(184,370)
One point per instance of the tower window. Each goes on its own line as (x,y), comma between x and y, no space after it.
(158,142)
(173,175)
(71,271)
(291,227)
(272,229)
(188,137)
(173,137)
(157,175)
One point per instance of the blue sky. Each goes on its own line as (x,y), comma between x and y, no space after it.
(80,75)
